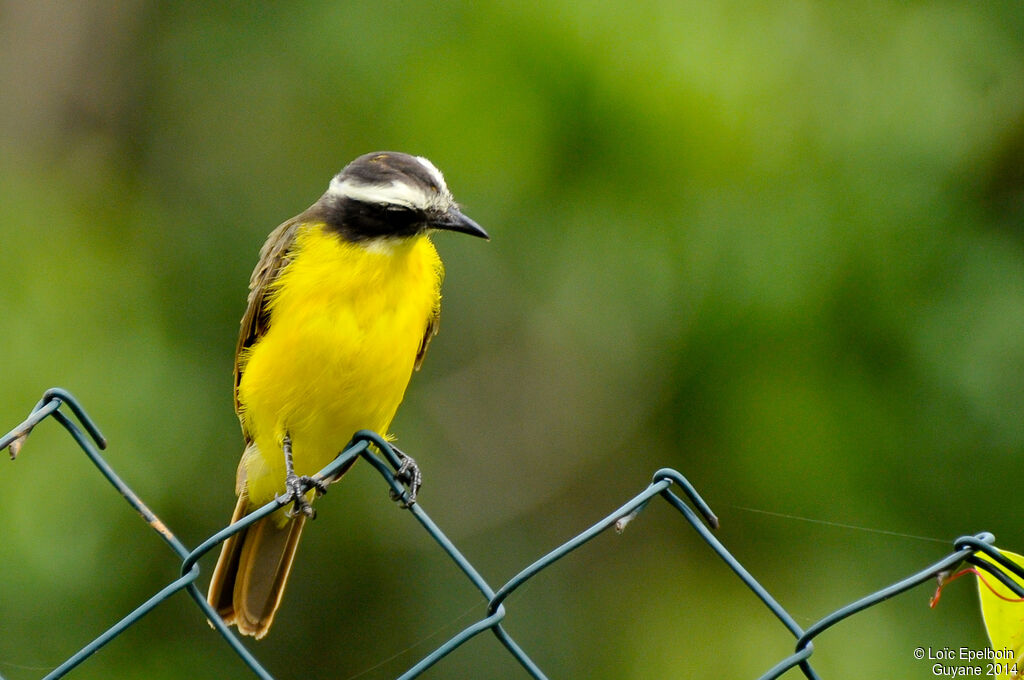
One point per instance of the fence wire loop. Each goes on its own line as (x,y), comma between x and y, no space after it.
(52,400)
(376,451)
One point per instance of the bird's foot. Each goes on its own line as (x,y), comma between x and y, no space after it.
(409,474)
(297,487)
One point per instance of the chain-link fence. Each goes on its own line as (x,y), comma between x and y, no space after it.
(365,443)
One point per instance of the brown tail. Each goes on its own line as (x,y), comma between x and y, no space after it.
(252,570)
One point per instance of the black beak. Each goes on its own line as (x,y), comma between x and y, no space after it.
(454,220)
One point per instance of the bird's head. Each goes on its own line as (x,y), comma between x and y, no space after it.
(388,194)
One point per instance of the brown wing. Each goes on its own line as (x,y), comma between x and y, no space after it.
(274,257)
(433,326)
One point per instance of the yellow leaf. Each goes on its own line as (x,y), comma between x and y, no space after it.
(1003,611)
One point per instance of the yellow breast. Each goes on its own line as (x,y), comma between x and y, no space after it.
(346,321)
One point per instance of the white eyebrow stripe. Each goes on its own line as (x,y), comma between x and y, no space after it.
(395,193)
(432,169)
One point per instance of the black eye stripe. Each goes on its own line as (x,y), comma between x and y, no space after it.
(360,221)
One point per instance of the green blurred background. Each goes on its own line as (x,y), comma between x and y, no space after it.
(777,246)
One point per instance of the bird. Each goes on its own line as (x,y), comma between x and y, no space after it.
(342,305)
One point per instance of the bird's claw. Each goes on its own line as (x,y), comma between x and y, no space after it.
(297,487)
(409,474)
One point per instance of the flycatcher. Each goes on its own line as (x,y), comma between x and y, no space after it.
(342,305)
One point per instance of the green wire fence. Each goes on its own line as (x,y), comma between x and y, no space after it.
(365,443)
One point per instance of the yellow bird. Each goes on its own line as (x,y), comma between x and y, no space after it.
(342,305)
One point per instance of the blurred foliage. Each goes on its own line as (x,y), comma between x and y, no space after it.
(779,246)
